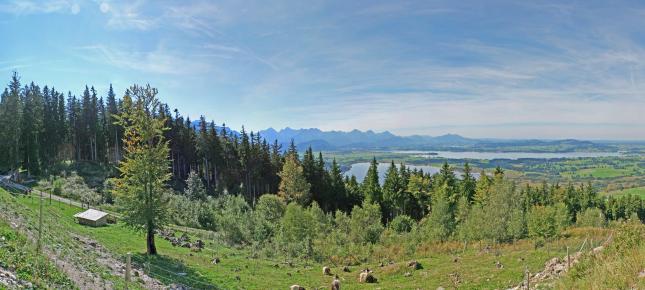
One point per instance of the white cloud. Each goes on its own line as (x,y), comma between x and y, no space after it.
(128,15)
(75,8)
(25,7)
(104,7)
(159,61)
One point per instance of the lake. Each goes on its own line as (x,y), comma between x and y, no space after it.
(360,169)
(507,155)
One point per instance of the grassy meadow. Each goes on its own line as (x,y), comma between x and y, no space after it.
(447,265)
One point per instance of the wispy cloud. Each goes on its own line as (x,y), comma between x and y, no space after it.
(25,7)
(159,60)
(406,66)
(127,15)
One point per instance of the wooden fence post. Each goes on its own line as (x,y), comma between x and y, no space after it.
(127,269)
(528,279)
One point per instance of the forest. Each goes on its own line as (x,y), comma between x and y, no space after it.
(254,193)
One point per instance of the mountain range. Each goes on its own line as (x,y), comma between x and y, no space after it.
(369,140)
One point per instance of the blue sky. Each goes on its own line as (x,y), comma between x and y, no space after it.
(509,69)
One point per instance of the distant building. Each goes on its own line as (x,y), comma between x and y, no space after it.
(92,217)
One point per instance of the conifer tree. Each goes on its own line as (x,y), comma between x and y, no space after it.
(392,192)
(371,187)
(468,184)
(11,119)
(337,192)
(195,187)
(293,185)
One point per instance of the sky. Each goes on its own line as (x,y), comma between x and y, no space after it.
(499,69)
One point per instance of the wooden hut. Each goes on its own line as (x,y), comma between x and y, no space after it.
(92,217)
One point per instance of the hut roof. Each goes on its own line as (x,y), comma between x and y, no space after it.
(91,214)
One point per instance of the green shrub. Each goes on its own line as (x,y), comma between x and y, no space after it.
(546,222)
(591,217)
(232,219)
(268,212)
(628,235)
(298,230)
(402,224)
(271,208)
(365,223)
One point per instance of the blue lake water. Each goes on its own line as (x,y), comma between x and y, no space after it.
(360,169)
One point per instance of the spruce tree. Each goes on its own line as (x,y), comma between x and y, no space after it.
(337,192)
(371,187)
(195,187)
(392,192)
(468,184)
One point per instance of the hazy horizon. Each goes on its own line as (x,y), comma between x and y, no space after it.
(498,69)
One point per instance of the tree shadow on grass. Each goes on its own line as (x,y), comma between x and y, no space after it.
(171,271)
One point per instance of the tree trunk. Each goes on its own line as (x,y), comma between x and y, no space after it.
(150,241)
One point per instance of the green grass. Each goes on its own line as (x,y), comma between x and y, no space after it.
(638,191)
(238,270)
(616,267)
(20,256)
(56,234)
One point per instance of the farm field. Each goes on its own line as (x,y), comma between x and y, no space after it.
(237,270)
(638,191)
(604,173)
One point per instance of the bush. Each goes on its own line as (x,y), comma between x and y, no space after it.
(74,187)
(106,192)
(365,223)
(629,235)
(268,212)
(183,211)
(402,224)
(545,222)
(232,219)
(298,230)
(271,208)
(591,217)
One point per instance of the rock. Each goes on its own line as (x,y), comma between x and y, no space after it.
(407,274)
(552,262)
(184,238)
